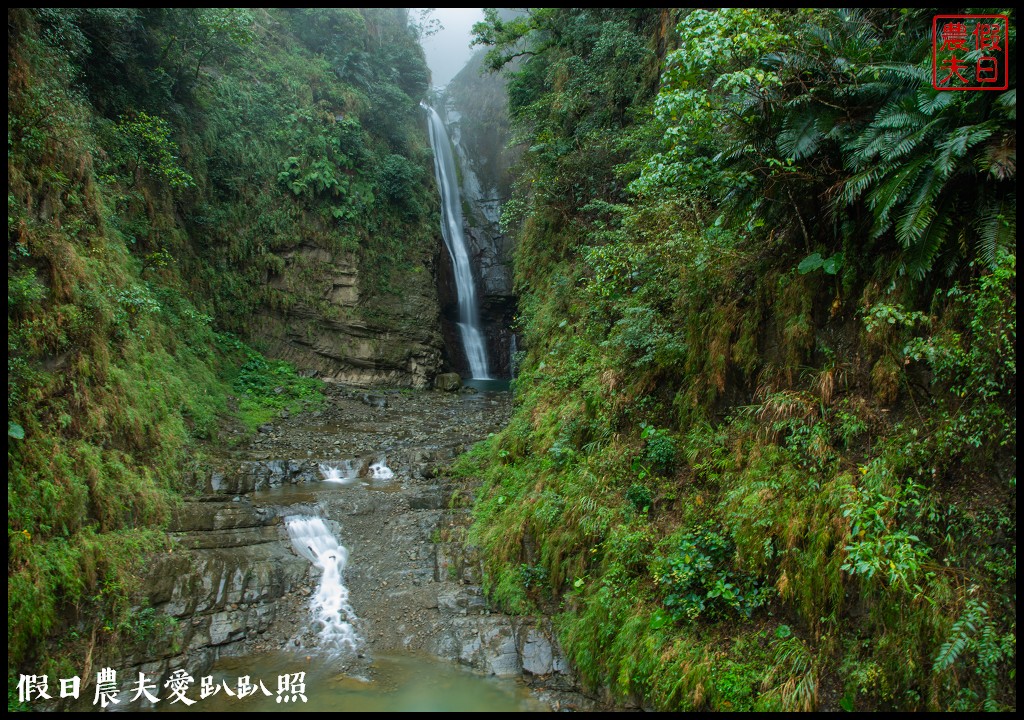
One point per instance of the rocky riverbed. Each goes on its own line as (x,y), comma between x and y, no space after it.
(236,585)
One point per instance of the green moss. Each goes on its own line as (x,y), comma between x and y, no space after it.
(744,492)
(145,208)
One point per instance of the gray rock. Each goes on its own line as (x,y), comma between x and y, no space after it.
(376,401)
(448,382)
(537,654)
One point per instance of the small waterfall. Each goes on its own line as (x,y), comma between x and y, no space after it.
(329,605)
(380,471)
(455,241)
(347,473)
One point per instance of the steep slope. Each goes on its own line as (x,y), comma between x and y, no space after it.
(764,449)
(175,176)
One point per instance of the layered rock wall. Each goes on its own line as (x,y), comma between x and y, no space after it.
(335,320)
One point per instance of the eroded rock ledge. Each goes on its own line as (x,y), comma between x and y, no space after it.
(333,320)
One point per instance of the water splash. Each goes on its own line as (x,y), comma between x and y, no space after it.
(346,474)
(329,606)
(380,471)
(455,241)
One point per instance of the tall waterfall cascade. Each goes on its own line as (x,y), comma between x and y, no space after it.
(455,241)
(329,606)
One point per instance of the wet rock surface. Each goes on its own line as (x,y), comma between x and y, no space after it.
(476,114)
(236,585)
(334,324)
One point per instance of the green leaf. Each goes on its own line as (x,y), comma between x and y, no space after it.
(814,261)
(15,431)
(800,136)
(810,263)
(659,620)
(832,265)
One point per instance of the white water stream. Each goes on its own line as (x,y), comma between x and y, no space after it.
(345,472)
(329,605)
(455,241)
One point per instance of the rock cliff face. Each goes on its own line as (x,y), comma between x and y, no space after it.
(222,584)
(475,110)
(336,320)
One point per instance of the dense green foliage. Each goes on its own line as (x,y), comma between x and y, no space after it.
(764,451)
(163,167)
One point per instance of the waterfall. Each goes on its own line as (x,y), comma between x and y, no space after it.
(329,605)
(455,241)
(346,474)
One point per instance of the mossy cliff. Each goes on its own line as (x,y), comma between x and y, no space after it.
(182,182)
(764,449)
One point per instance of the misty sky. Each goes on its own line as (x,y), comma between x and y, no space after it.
(448,50)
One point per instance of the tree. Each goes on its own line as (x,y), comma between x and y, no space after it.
(147,145)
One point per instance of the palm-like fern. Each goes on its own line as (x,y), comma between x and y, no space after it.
(927,168)
(849,134)
(934,170)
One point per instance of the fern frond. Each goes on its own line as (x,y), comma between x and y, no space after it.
(996,226)
(1008,101)
(920,257)
(955,147)
(921,209)
(898,118)
(800,135)
(735,150)
(865,148)
(865,92)
(908,142)
(902,74)
(931,101)
(897,182)
(855,186)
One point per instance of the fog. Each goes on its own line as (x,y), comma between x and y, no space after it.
(448,50)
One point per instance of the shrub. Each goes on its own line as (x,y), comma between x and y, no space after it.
(698,579)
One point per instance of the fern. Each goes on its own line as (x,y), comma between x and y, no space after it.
(917,259)
(961,636)
(1008,101)
(800,136)
(887,196)
(917,165)
(920,210)
(996,226)
(931,101)
(846,130)
(955,147)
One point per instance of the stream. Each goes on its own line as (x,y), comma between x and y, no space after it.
(329,545)
(394,682)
